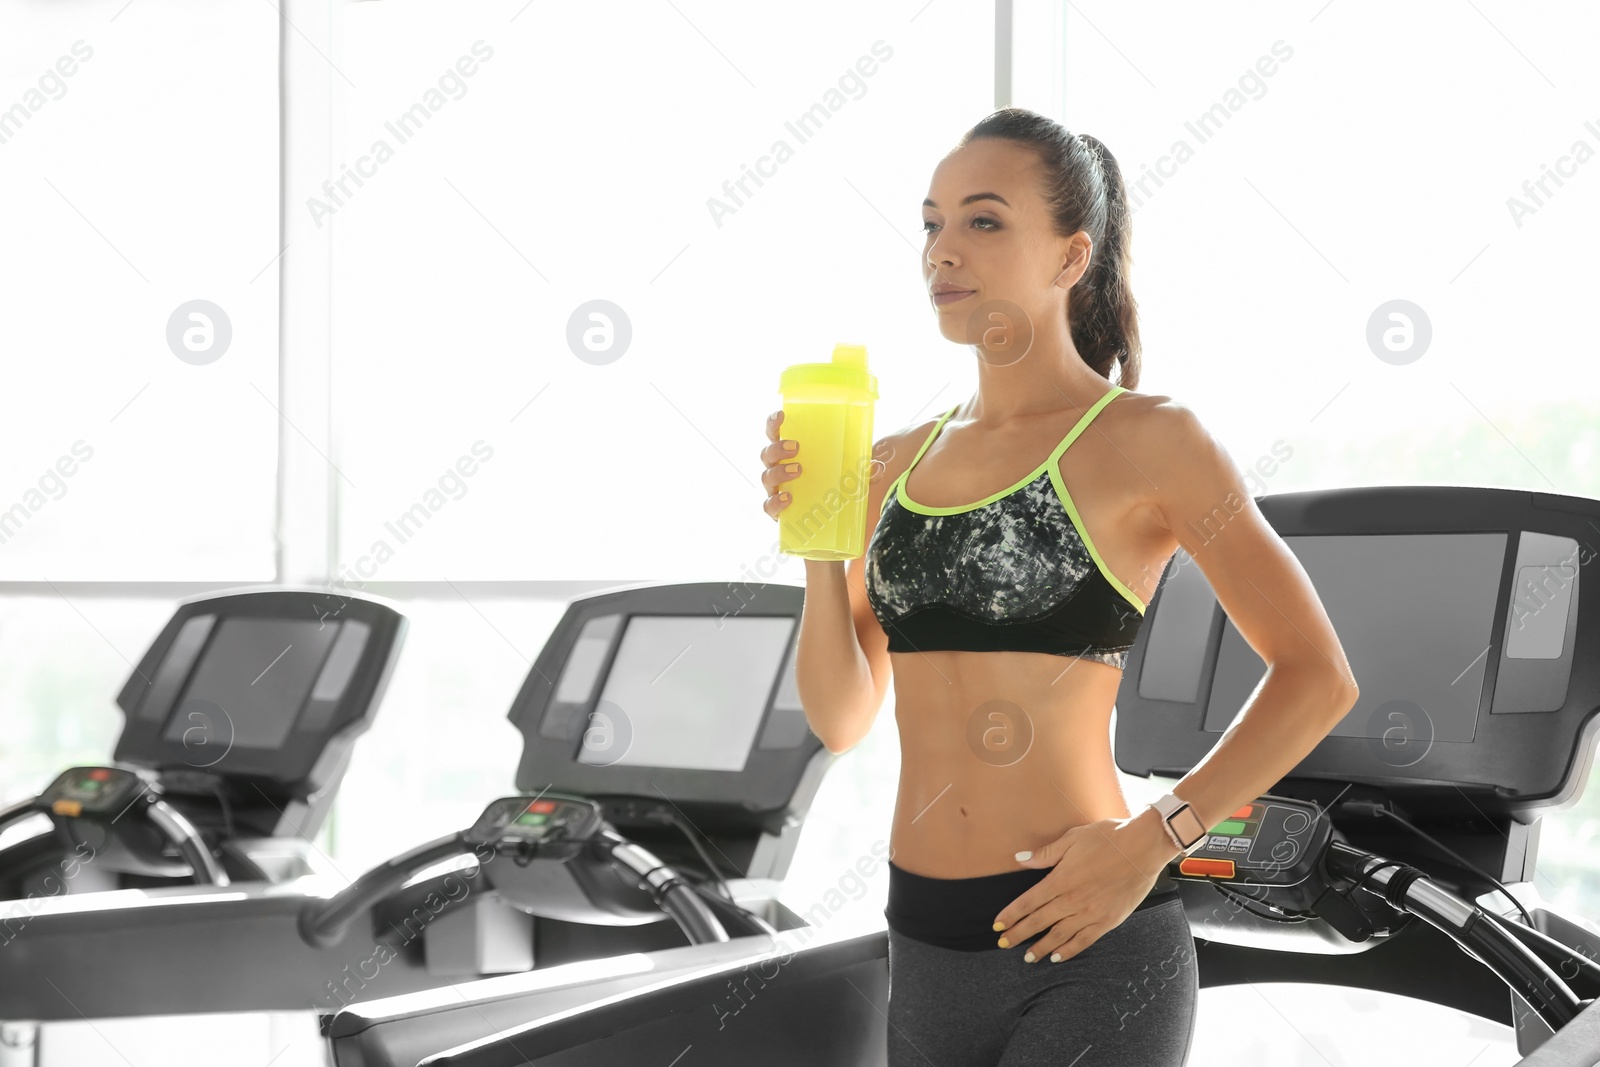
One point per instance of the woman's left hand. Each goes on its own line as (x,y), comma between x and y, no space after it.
(1109,867)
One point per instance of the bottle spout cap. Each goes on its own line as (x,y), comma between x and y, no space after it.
(843,378)
(850,356)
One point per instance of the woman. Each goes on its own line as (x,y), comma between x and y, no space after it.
(1004,607)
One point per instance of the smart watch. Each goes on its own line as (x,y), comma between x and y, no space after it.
(1183,826)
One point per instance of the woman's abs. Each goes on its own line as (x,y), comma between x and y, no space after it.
(977,788)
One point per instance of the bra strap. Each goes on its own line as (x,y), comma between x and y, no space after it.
(1083,423)
(935,433)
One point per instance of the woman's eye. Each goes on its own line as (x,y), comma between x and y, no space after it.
(930,225)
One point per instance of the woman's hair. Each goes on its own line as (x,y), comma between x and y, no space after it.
(1083,186)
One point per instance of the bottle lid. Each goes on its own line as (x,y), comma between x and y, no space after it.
(848,369)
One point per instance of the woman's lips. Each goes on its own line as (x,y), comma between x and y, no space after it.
(951,297)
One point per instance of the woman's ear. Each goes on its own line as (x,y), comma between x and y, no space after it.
(1080,250)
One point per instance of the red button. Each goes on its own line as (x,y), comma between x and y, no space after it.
(542,806)
(1209,868)
(1246,812)
(99,774)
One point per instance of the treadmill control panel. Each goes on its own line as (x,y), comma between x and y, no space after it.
(1269,841)
(88,792)
(547,818)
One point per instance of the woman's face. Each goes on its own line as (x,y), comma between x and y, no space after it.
(989,233)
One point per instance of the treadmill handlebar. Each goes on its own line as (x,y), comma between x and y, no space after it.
(1481,935)
(100,794)
(666,887)
(18,811)
(182,832)
(323,923)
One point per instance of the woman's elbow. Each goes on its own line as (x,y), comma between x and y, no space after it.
(1323,682)
(1345,692)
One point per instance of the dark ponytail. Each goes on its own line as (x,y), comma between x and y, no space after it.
(1083,186)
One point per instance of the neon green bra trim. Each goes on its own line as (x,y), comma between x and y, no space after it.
(1052,463)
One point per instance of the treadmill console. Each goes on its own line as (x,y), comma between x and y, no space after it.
(1462,614)
(92,792)
(675,708)
(270,685)
(1271,841)
(669,699)
(547,819)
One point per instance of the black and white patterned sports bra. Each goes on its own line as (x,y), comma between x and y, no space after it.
(1014,572)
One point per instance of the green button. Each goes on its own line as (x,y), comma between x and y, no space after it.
(528,818)
(1230,826)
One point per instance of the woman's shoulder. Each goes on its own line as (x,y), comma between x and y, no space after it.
(1166,440)
(1156,417)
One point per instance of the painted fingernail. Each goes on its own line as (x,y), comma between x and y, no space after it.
(999,926)
(788,446)
(1028,957)
(1055,957)
(1025,855)
(1004,943)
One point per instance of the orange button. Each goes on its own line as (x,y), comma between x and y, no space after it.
(1246,812)
(542,807)
(1209,868)
(99,774)
(67,807)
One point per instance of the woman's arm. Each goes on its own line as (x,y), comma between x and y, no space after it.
(842,669)
(1308,686)
(842,658)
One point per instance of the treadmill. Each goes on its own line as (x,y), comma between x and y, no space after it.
(543,881)
(239,722)
(1398,856)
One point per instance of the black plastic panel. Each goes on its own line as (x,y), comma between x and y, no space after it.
(352,643)
(1433,660)
(564,695)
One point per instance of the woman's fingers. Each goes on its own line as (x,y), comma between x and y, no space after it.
(779,473)
(778,466)
(780,449)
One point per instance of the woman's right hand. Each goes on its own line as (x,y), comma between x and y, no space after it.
(778,460)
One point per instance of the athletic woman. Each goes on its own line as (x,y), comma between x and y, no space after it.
(1030,917)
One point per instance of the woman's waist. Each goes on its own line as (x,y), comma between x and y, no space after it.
(959,913)
(966,805)
(968,836)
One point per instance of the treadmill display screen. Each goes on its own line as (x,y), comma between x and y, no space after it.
(687,691)
(1415,615)
(250,684)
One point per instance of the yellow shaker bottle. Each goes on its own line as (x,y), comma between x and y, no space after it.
(827,411)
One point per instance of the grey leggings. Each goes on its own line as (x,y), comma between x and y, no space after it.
(1129,998)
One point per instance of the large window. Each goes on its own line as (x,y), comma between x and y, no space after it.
(138,423)
(1359,228)
(585,256)
(566,266)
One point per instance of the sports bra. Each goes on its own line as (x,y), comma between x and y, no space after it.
(1014,572)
